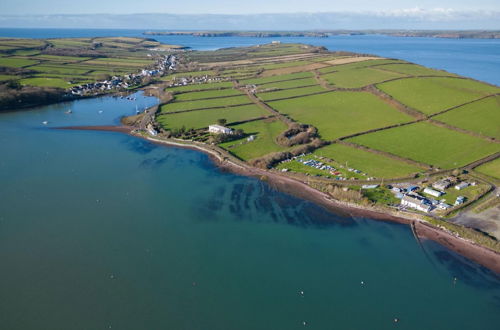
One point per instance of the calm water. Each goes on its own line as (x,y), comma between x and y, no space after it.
(101,230)
(475,58)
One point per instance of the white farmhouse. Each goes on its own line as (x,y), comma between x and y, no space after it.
(218,129)
(416,202)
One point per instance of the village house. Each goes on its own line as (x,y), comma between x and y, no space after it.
(416,202)
(433,192)
(218,129)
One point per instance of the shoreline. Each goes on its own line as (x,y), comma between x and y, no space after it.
(477,253)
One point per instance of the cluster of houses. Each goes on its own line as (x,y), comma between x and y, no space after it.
(189,80)
(163,65)
(426,203)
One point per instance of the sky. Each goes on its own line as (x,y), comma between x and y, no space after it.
(252,15)
(44,7)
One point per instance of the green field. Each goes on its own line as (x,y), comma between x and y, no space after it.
(356,78)
(265,131)
(46,82)
(429,144)
(481,117)
(374,165)
(4,77)
(289,84)
(203,118)
(265,80)
(15,62)
(62,69)
(339,114)
(207,94)
(200,87)
(414,70)
(491,168)
(203,104)
(357,65)
(290,93)
(431,95)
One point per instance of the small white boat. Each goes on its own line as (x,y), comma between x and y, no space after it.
(100,111)
(69,111)
(45,122)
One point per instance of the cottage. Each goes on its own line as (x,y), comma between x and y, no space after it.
(460,200)
(218,129)
(462,185)
(416,202)
(433,192)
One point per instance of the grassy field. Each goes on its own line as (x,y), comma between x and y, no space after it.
(339,114)
(49,82)
(481,117)
(289,84)
(265,131)
(429,144)
(267,96)
(206,94)
(200,87)
(374,165)
(260,81)
(16,62)
(491,168)
(356,78)
(357,65)
(431,95)
(203,118)
(414,70)
(201,104)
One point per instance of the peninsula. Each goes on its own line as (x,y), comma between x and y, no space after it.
(371,133)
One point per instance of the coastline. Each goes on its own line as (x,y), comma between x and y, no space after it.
(477,253)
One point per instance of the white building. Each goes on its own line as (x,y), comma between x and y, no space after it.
(433,192)
(218,129)
(416,202)
(461,186)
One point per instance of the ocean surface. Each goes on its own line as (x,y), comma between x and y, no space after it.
(100,230)
(474,58)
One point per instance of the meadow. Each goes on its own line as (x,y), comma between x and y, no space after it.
(293,92)
(482,117)
(339,114)
(289,84)
(207,94)
(430,144)
(432,95)
(203,104)
(203,118)
(284,77)
(265,131)
(360,77)
(491,168)
(413,70)
(200,87)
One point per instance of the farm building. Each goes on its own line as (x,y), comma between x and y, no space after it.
(460,200)
(441,184)
(218,129)
(433,192)
(462,185)
(416,202)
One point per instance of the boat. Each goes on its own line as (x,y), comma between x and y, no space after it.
(69,111)
(45,122)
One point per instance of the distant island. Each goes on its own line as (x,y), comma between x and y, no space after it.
(465,34)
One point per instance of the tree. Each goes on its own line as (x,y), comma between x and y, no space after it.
(221,121)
